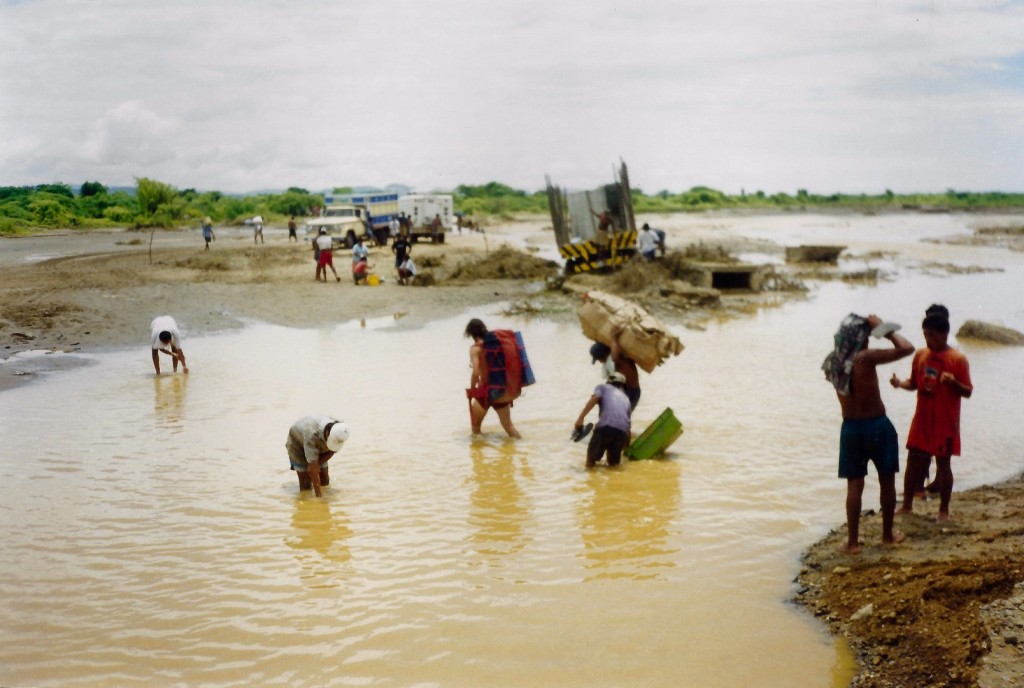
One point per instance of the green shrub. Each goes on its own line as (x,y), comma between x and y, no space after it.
(118,214)
(50,213)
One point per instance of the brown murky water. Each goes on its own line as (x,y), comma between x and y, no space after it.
(153,534)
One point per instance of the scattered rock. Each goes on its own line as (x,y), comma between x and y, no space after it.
(863,612)
(976,329)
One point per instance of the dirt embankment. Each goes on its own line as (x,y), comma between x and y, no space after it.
(944,608)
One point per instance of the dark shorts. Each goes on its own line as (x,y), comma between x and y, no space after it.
(868,439)
(633,394)
(607,440)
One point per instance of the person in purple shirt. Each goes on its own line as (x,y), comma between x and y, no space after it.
(613,425)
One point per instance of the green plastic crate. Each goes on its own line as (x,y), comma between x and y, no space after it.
(658,437)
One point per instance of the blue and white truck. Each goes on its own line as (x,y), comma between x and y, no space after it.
(347,217)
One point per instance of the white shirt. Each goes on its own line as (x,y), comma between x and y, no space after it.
(410,266)
(647,241)
(165,323)
(324,243)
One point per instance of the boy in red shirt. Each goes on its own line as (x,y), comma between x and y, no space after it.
(941,376)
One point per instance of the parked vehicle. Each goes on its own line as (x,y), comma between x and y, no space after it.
(421,209)
(350,216)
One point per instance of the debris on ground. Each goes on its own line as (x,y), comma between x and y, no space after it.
(504,262)
(935,610)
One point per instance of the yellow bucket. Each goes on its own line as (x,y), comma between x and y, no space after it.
(373,280)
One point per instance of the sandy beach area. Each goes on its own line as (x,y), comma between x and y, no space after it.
(946,608)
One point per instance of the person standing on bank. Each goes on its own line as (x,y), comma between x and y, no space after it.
(257,229)
(401,248)
(647,242)
(323,247)
(866,434)
(292,227)
(613,425)
(941,376)
(208,235)
(312,441)
(166,339)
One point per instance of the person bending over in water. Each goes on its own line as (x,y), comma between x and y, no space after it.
(867,434)
(166,339)
(611,435)
(312,441)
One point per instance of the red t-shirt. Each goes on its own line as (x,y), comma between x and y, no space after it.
(936,425)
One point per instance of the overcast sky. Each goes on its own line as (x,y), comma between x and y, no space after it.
(240,95)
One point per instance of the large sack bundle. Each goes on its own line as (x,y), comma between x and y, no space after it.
(644,338)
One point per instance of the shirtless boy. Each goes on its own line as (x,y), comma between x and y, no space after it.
(867,434)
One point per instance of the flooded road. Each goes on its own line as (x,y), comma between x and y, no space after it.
(153,534)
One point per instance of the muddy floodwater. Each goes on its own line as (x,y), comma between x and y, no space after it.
(153,534)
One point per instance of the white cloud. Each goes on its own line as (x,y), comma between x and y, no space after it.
(859,95)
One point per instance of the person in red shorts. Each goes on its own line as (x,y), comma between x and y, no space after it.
(323,246)
(479,403)
(941,376)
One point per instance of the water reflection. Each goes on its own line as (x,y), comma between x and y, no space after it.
(319,536)
(625,516)
(169,401)
(497,509)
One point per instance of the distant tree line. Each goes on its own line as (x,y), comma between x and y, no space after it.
(156,204)
(705,198)
(153,204)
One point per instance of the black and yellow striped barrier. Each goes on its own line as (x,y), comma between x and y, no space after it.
(584,256)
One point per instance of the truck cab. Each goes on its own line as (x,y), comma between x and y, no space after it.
(343,222)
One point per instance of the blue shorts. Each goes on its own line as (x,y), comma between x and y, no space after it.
(868,439)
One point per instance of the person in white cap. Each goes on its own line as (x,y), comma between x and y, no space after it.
(613,425)
(312,441)
(166,339)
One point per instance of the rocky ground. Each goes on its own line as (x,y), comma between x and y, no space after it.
(943,608)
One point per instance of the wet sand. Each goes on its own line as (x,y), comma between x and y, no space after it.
(946,607)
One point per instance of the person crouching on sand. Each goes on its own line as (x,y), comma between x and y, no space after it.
(312,441)
(866,434)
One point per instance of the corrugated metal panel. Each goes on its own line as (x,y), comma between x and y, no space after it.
(582,205)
